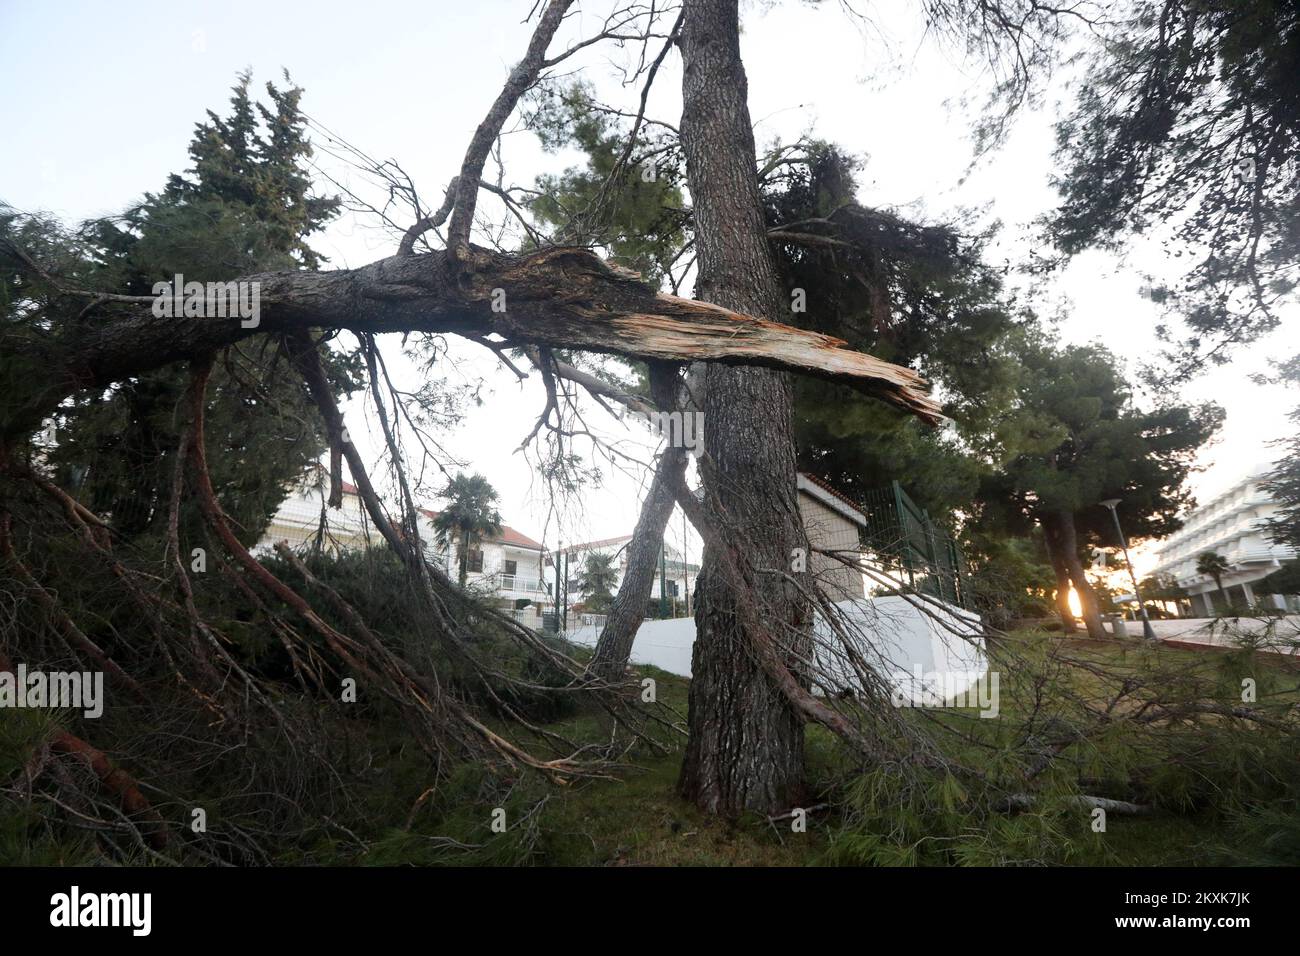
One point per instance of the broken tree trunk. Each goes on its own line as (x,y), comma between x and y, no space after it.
(564,298)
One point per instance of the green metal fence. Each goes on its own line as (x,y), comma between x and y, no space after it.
(905,539)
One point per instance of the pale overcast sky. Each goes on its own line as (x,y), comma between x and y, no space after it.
(102,100)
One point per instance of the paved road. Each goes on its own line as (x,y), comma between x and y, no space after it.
(1277,635)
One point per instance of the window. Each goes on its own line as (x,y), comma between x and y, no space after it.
(512,567)
(474,560)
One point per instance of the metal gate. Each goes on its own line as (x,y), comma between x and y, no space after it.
(906,539)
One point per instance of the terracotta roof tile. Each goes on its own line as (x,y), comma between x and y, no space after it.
(831,490)
(508,535)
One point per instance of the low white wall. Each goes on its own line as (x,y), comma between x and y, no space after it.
(891,634)
(662,644)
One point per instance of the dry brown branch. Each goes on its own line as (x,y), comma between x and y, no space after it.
(114,779)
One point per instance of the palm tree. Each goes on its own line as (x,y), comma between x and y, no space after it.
(598,580)
(1215,565)
(470,515)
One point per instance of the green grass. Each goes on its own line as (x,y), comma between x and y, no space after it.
(640,820)
(635,820)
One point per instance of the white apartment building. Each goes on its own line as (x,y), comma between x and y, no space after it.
(1232,525)
(507,567)
(299,518)
(677,573)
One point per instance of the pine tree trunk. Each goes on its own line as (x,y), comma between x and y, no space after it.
(1064,522)
(1068,624)
(625,617)
(745,750)
(1062,578)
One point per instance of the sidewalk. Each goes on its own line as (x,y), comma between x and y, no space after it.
(1279,635)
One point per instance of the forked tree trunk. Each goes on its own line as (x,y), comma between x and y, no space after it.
(1063,523)
(1062,578)
(628,611)
(745,750)
(614,648)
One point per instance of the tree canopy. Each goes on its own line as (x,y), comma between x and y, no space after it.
(244,206)
(469,516)
(1188,127)
(293,686)
(1074,438)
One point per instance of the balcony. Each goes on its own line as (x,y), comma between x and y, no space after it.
(519,584)
(1253,555)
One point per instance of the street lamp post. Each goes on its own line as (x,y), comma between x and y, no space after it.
(663,579)
(1147,630)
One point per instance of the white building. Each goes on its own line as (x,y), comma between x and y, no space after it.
(299,518)
(507,567)
(1231,525)
(833,523)
(678,574)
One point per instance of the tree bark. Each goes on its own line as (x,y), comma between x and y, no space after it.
(463,563)
(745,750)
(615,645)
(625,616)
(559,297)
(1069,552)
(1062,578)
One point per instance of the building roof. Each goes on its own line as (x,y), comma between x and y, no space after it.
(809,484)
(593,545)
(827,495)
(518,539)
(507,535)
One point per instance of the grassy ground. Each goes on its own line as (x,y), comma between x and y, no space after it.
(636,820)
(639,820)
